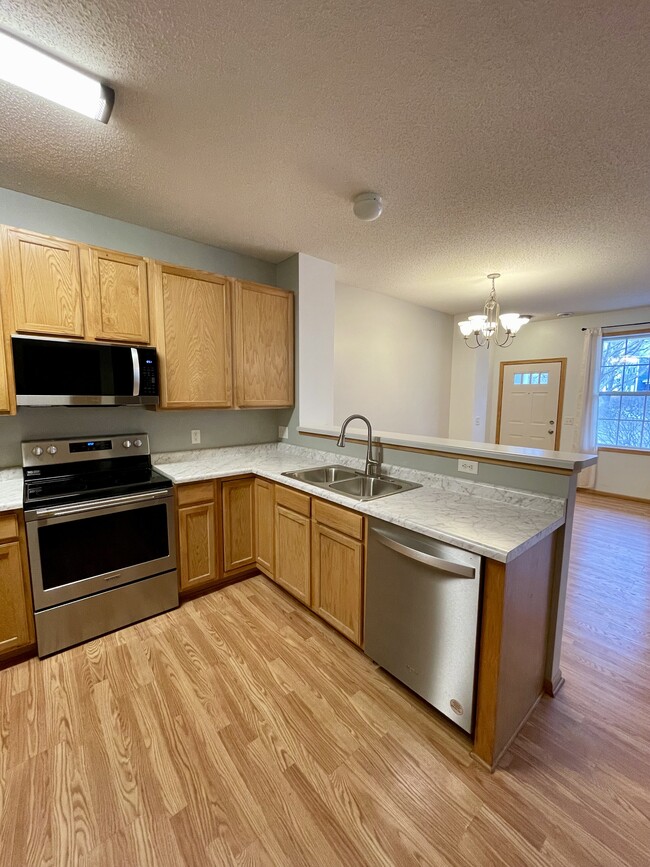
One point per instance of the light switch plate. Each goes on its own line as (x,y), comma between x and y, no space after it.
(468,467)
(196,437)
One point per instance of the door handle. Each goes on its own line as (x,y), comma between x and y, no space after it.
(423,557)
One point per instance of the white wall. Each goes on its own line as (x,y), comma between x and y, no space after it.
(392,363)
(617,473)
(469,395)
(315,353)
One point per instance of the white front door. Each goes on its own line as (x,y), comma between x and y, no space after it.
(529,404)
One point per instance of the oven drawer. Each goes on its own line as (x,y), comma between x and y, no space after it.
(86,548)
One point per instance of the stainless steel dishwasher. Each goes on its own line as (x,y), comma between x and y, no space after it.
(421,623)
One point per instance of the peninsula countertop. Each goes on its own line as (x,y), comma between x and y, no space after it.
(496,522)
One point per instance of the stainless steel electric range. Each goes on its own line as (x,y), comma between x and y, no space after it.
(100,535)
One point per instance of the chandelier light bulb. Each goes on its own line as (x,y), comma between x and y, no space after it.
(487,326)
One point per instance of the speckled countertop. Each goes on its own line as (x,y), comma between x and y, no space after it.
(11,489)
(496,522)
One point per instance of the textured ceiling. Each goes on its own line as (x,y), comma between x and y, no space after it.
(509,136)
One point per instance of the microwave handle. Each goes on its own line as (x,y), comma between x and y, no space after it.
(135,357)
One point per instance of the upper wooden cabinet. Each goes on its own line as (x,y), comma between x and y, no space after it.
(45,284)
(264,345)
(192,335)
(7,397)
(116,299)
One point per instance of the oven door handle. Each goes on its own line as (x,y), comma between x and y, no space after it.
(100,505)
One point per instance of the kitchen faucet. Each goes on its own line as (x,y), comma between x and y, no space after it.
(372,466)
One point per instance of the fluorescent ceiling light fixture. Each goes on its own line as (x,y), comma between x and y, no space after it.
(28,67)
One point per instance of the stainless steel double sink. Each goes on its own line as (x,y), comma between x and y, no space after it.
(351,483)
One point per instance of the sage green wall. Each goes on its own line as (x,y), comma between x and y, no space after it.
(168,430)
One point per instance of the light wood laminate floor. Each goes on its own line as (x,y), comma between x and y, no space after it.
(239,729)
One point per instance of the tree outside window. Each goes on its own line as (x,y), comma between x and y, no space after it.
(624,392)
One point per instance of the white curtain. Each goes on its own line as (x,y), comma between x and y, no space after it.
(587,402)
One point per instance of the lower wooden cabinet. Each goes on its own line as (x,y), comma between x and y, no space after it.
(337,567)
(238,524)
(16,617)
(293,552)
(198,556)
(337,580)
(264,525)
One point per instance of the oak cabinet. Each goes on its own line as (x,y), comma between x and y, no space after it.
(16,617)
(237,498)
(264,345)
(337,580)
(292,548)
(7,396)
(192,336)
(198,557)
(45,284)
(264,525)
(116,298)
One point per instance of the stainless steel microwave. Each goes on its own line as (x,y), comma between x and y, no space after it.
(56,372)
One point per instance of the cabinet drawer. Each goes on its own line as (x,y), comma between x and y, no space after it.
(8,527)
(293,500)
(196,492)
(338,518)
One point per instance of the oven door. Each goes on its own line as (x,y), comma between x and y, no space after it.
(85,548)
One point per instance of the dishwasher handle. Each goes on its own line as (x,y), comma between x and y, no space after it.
(423,557)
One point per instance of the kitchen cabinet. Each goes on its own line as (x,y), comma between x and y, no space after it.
(44,277)
(337,562)
(264,345)
(198,557)
(193,336)
(293,543)
(237,498)
(264,525)
(16,617)
(116,298)
(7,396)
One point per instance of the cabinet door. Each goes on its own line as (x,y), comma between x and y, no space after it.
(264,513)
(264,345)
(45,284)
(7,397)
(293,553)
(115,295)
(238,524)
(197,545)
(337,580)
(192,335)
(15,618)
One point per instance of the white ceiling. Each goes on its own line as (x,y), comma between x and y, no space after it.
(504,135)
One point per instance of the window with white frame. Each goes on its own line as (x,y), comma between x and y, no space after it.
(624,392)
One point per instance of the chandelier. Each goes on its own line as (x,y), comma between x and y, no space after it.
(491,325)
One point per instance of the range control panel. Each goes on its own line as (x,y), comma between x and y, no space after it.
(38,453)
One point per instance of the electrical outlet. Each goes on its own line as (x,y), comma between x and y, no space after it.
(569,421)
(468,467)
(283,432)
(196,437)
(477,421)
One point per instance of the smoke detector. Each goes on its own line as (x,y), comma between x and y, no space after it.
(368,206)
